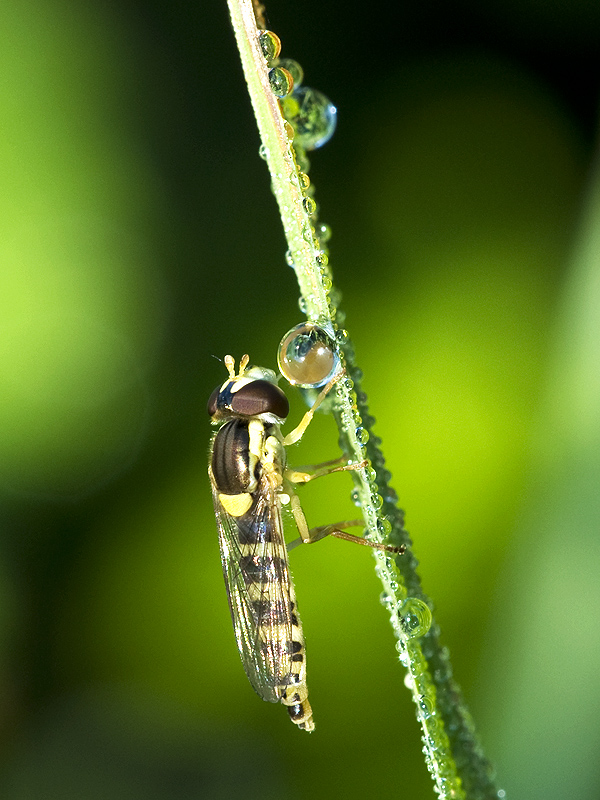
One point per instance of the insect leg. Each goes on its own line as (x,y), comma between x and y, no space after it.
(310,535)
(309,473)
(298,432)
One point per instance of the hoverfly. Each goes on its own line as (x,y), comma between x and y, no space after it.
(250,482)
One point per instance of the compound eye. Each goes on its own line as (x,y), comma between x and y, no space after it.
(260,397)
(308,356)
(212,402)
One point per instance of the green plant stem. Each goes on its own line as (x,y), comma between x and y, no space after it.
(453,755)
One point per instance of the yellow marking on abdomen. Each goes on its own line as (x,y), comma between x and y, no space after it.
(236,504)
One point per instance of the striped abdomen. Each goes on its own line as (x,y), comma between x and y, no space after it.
(271,592)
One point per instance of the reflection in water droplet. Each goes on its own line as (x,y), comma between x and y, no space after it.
(281,81)
(263,152)
(313,116)
(415,617)
(270,44)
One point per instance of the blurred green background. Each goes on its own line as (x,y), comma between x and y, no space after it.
(138,239)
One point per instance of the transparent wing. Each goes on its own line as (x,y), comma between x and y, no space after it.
(257,578)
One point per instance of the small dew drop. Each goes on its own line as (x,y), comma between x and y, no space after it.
(270,44)
(324,232)
(281,81)
(302,305)
(322,259)
(362,434)
(384,526)
(355,497)
(289,258)
(308,234)
(304,180)
(415,617)
(426,705)
(263,152)
(309,205)
(402,653)
(294,68)
(289,131)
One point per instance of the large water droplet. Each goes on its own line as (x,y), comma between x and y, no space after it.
(313,116)
(308,356)
(415,617)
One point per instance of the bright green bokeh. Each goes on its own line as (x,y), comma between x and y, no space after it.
(81,306)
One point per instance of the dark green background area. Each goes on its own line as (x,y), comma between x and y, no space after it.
(139,241)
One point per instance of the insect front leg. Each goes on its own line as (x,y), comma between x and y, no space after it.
(298,432)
